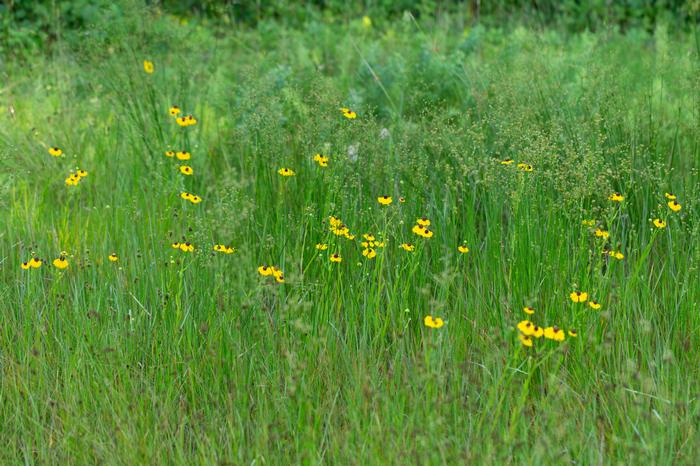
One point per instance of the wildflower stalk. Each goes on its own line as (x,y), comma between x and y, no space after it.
(525,390)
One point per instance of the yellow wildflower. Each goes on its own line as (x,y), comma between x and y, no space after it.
(113,257)
(525,340)
(385,200)
(616,254)
(321,246)
(526,327)
(72,180)
(181,155)
(174,110)
(347,113)
(658,223)
(186,170)
(223,248)
(578,296)
(594,304)
(186,247)
(321,160)
(188,120)
(674,206)
(537,332)
(60,262)
(148,66)
(422,231)
(286,172)
(433,322)
(55,151)
(336,258)
(616,197)
(408,247)
(554,333)
(277,273)
(529,310)
(463,249)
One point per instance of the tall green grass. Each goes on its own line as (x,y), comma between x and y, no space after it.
(168,357)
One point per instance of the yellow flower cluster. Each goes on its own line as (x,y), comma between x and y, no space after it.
(523,166)
(370,245)
(271,271)
(433,322)
(193,198)
(347,113)
(338,228)
(529,331)
(322,160)
(74,178)
(180,155)
(672,202)
(33,263)
(187,120)
(184,246)
(182,120)
(224,249)
(616,255)
(421,228)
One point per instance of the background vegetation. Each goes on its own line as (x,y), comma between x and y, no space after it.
(169,357)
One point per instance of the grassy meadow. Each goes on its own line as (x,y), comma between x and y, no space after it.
(510,141)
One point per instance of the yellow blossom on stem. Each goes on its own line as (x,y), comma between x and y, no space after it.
(347,113)
(525,340)
(433,322)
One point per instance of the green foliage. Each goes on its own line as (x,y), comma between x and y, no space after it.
(193,358)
